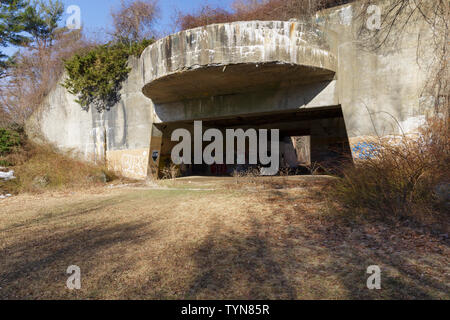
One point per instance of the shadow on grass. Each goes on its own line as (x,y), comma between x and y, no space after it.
(262,264)
(63,213)
(233,262)
(284,256)
(405,267)
(35,267)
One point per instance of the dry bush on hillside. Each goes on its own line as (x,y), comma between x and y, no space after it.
(204,16)
(401,177)
(407,177)
(36,72)
(41,167)
(134,20)
(255,10)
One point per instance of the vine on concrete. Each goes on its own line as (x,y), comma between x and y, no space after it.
(96,77)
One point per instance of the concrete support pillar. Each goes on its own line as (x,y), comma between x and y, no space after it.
(329,142)
(302,145)
(155,153)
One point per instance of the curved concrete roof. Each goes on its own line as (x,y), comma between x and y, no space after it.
(211,56)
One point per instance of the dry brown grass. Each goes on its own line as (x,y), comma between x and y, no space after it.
(40,167)
(405,177)
(133,243)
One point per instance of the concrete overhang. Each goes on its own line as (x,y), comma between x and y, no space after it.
(237,57)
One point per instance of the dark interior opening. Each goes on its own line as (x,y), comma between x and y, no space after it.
(308,138)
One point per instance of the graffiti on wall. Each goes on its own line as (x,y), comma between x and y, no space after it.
(364,150)
(129,163)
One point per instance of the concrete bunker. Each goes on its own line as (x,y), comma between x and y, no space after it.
(300,77)
(259,75)
(306,137)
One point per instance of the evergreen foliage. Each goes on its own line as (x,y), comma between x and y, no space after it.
(96,77)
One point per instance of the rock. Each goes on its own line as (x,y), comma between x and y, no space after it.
(41,181)
(7,175)
(101,177)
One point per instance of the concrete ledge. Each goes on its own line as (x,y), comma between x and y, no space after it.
(242,46)
(309,96)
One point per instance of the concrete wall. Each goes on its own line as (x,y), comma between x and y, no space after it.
(121,136)
(379,91)
(315,95)
(237,43)
(248,69)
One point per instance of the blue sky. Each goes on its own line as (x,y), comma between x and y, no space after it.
(95,14)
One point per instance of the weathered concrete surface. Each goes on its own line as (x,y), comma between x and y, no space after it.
(121,136)
(130,163)
(379,91)
(248,74)
(210,81)
(226,70)
(186,54)
(314,95)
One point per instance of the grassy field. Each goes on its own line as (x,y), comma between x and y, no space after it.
(210,240)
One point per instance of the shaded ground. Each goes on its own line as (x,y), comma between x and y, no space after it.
(271,239)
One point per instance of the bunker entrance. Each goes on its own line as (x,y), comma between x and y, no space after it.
(308,139)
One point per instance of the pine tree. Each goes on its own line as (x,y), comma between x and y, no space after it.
(12,25)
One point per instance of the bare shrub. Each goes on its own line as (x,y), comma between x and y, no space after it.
(280,9)
(314,168)
(5,118)
(245,178)
(36,72)
(170,172)
(41,167)
(407,176)
(401,177)
(254,10)
(251,178)
(202,17)
(135,20)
